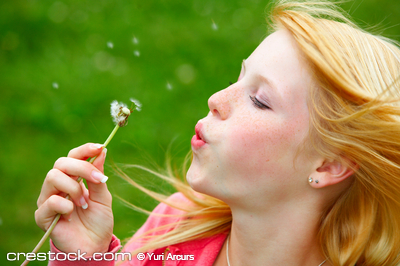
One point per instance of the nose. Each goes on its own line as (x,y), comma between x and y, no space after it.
(220,105)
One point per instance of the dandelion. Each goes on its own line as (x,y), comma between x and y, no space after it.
(120,113)
(110,45)
(136,53)
(55,85)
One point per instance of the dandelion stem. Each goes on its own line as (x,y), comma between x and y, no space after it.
(53,224)
(111,136)
(105,145)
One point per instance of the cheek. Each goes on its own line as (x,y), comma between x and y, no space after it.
(261,149)
(255,143)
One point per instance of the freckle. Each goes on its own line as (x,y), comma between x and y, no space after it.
(267,160)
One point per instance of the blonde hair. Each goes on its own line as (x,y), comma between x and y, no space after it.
(354,115)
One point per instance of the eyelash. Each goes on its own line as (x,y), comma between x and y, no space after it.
(258,104)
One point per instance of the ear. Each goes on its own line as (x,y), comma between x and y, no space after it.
(332,172)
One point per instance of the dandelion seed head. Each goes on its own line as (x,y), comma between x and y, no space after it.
(135,40)
(120,113)
(169,86)
(55,85)
(136,53)
(110,45)
(126,111)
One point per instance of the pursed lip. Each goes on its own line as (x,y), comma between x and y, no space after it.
(199,133)
(198,140)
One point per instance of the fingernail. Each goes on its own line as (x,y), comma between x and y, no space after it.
(99,176)
(83,203)
(105,151)
(97,146)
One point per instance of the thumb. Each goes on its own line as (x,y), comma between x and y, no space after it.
(98,191)
(99,161)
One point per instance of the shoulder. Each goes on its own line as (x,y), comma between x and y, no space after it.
(178,200)
(169,212)
(165,216)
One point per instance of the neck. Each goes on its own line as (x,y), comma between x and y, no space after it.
(279,236)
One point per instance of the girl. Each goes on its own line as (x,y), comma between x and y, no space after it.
(297,163)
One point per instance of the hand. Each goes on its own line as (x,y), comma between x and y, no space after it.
(87,220)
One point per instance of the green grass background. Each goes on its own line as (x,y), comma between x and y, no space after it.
(177,61)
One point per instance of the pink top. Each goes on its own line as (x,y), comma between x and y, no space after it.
(196,252)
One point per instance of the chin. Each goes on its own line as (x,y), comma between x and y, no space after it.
(192,178)
(196,181)
(202,183)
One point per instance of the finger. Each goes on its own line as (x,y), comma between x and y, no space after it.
(57,182)
(74,167)
(86,151)
(85,190)
(46,213)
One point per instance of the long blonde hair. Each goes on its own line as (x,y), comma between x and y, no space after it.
(355,115)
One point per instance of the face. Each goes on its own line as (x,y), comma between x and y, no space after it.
(244,150)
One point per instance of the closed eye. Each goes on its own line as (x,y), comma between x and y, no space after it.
(258,104)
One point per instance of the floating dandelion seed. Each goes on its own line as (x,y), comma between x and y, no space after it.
(110,45)
(135,40)
(214,26)
(55,85)
(138,105)
(136,53)
(169,86)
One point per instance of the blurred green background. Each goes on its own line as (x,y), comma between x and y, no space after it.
(63,62)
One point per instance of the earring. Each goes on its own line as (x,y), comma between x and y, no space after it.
(316,181)
(310,180)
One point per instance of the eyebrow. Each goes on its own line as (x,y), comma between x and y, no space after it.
(268,82)
(263,78)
